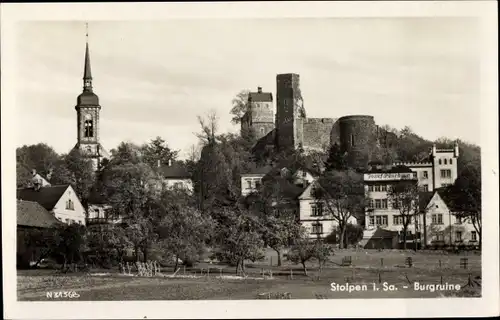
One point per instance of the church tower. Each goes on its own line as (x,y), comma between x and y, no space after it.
(87,111)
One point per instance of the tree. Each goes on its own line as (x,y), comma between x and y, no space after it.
(404,196)
(353,234)
(78,171)
(466,196)
(131,187)
(158,150)
(342,193)
(336,159)
(238,239)
(240,105)
(40,157)
(183,230)
(304,250)
(69,243)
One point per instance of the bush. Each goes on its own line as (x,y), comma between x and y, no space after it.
(353,235)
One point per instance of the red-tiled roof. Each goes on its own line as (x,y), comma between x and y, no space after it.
(175,171)
(31,214)
(47,197)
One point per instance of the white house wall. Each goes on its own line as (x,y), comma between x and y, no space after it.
(440,232)
(68,215)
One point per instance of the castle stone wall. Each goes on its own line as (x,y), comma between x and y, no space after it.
(320,133)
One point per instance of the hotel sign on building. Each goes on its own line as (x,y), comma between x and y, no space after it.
(390,176)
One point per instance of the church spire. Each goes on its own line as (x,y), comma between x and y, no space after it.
(87,73)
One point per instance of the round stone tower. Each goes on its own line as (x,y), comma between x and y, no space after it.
(357,138)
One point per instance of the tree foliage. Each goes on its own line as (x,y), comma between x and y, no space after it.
(157,150)
(342,193)
(404,195)
(240,105)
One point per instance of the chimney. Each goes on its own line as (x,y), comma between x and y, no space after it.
(159,163)
(259,89)
(455,149)
(170,162)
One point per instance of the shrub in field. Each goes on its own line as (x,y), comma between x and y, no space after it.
(353,234)
(305,250)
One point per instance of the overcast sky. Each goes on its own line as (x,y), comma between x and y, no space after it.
(154,78)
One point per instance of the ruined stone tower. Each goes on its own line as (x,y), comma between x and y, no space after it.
(260,115)
(290,112)
(357,138)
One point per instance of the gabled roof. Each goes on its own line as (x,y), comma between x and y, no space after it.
(31,214)
(259,170)
(449,197)
(260,97)
(423,200)
(175,171)
(47,197)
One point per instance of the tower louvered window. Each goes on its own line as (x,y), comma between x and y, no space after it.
(89,129)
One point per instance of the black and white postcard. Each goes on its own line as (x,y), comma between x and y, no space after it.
(250,159)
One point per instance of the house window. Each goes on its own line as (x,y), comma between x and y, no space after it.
(440,236)
(370,188)
(249,184)
(459,220)
(473,236)
(178,185)
(383,187)
(434,219)
(257,184)
(352,140)
(439,219)
(304,174)
(451,161)
(458,236)
(89,128)
(425,187)
(397,220)
(445,161)
(377,188)
(371,220)
(317,209)
(395,204)
(70,205)
(446,173)
(370,204)
(384,203)
(378,203)
(317,228)
(381,220)
(425,174)
(439,161)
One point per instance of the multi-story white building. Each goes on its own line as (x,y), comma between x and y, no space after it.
(439,171)
(315,216)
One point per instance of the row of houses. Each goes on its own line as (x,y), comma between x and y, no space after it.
(436,222)
(42,206)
